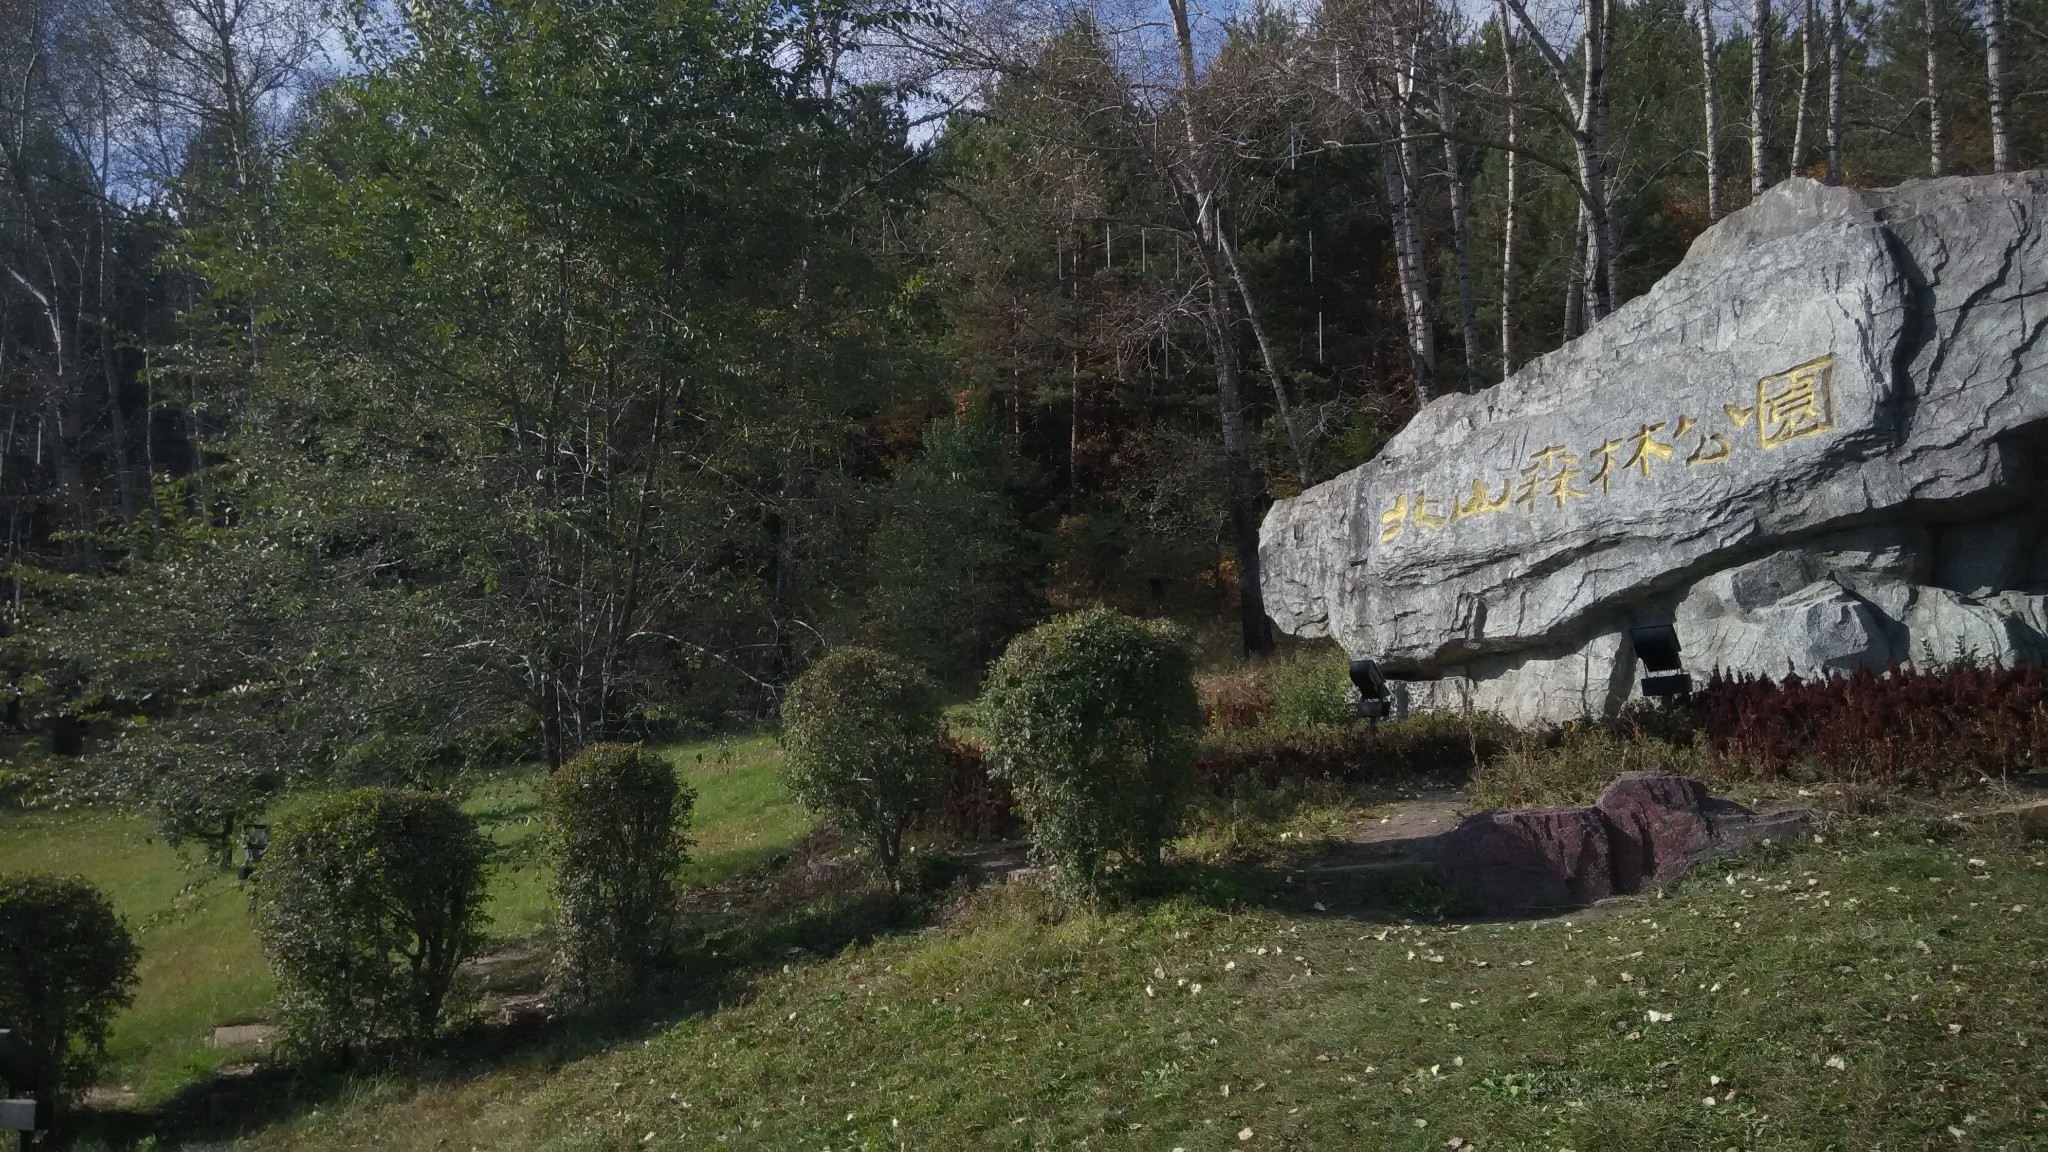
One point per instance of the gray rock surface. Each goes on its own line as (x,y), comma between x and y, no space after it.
(1821,442)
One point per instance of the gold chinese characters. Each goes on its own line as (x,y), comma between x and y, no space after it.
(1790,405)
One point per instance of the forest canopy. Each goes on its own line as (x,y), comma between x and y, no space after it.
(386,389)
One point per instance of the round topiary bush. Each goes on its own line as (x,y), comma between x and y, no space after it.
(861,733)
(616,834)
(1091,718)
(367,903)
(66,966)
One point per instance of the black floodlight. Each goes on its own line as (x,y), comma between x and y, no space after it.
(18,1070)
(1669,685)
(1373,702)
(1656,646)
(22,1116)
(17,1060)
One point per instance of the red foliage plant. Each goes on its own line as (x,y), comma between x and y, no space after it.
(1950,724)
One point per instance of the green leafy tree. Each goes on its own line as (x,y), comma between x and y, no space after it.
(954,571)
(861,729)
(368,901)
(616,819)
(66,966)
(1090,717)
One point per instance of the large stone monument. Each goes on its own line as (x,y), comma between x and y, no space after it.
(1821,442)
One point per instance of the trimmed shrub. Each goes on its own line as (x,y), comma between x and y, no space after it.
(1090,718)
(616,830)
(367,902)
(66,966)
(861,729)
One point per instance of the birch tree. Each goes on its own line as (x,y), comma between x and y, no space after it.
(1710,99)
(1198,186)
(1995,84)
(1796,161)
(1512,161)
(1760,45)
(1836,110)
(1937,116)
(1586,98)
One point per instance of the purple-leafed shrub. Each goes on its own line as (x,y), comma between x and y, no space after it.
(1947,725)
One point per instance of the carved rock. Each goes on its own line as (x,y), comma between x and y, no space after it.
(1820,442)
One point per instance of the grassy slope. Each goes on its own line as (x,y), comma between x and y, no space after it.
(200,964)
(1874,991)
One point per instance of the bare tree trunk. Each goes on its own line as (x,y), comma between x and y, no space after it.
(1710,98)
(117,422)
(1835,105)
(1937,121)
(1608,220)
(1421,338)
(1602,282)
(1575,281)
(1796,163)
(1507,243)
(1237,451)
(1461,239)
(1994,75)
(1759,97)
(1588,105)
(1272,361)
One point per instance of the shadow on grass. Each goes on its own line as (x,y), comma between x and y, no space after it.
(811,901)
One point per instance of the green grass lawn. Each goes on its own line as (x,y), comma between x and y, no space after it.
(200,966)
(1878,990)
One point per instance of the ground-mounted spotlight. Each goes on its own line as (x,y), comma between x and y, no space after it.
(1664,677)
(18,1069)
(1374,702)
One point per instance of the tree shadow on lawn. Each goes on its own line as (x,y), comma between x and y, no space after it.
(815,901)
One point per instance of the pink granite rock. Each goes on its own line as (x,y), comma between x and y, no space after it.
(1657,828)
(1528,859)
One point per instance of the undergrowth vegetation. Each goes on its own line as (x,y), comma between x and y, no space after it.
(1239,944)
